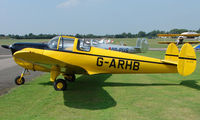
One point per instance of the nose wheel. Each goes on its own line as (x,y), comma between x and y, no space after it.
(60,85)
(19,80)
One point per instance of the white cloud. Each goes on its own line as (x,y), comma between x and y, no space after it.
(68,3)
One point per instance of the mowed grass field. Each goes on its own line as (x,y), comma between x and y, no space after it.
(108,97)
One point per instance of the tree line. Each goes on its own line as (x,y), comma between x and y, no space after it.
(151,34)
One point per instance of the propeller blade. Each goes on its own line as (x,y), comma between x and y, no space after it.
(5,46)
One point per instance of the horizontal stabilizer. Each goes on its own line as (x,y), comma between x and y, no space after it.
(169,62)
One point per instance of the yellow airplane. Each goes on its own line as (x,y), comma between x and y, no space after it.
(180,38)
(68,56)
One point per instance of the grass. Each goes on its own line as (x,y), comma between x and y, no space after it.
(107,97)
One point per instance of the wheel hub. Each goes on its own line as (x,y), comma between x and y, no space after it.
(59,85)
(19,81)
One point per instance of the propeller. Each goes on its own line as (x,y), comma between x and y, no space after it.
(5,46)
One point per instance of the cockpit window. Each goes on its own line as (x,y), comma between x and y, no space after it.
(53,42)
(83,45)
(66,44)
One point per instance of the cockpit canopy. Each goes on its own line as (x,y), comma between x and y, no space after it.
(66,43)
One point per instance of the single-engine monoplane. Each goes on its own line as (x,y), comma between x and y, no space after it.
(69,56)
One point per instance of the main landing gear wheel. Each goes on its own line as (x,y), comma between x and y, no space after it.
(19,80)
(70,77)
(60,85)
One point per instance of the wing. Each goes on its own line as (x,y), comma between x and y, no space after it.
(37,61)
(175,35)
(192,42)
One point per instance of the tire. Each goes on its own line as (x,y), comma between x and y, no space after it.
(70,78)
(60,85)
(18,81)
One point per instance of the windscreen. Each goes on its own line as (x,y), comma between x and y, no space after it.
(53,43)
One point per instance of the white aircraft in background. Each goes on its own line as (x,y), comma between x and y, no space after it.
(141,46)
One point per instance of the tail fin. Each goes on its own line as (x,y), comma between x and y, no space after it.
(172,53)
(142,44)
(187,60)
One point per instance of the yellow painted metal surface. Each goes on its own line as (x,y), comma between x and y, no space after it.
(175,35)
(172,53)
(187,60)
(58,42)
(59,85)
(55,72)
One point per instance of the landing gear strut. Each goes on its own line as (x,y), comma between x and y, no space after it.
(60,84)
(19,80)
(69,77)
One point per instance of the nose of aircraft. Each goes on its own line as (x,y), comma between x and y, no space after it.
(9,47)
(19,46)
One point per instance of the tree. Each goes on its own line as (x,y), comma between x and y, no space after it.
(78,36)
(154,33)
(129,35)
(141,34)
(177,31)
(198,31)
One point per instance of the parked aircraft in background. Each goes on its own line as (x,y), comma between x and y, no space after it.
(69,56)
(141,46)
(181,37)
(105,41)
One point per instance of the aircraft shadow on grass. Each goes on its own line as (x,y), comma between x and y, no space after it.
(88,93)
(191,84)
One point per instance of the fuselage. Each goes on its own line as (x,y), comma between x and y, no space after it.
(94,61)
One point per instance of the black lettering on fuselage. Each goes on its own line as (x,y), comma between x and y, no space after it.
(128,65)
(112,64)
(136,66)
(120,63)
(99,61)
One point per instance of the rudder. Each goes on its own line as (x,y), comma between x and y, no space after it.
(172,53)
(186,60)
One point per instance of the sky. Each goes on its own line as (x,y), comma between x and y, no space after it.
(97,16)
